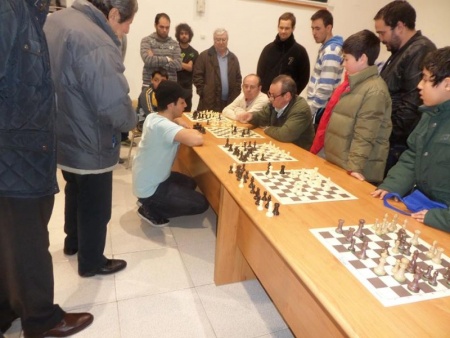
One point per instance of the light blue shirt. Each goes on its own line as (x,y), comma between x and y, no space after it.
(155,155)
(223,65)
(280,111)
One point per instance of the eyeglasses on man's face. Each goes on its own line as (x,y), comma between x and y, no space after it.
(273,97)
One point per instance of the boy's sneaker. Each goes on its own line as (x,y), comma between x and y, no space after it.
(155,222)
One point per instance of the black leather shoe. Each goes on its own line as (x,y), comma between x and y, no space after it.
(70,324)
(70,252)
(111,266)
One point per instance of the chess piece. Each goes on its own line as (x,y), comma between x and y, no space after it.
(427,275)
(379,269)
(260,205)
(386,248)
(339,227)
(433,280)
(282,172)
(231,169)
(227,143)
(413,286)
(241,183)
(276,209)
(264,197)
(269,212)
(363,255)
(349,234)
(395,248)
(430,252)
(396,266)
(352,245)
(413,263)
(359,231)
(437,257)
(399,276)
(415,239)
(257,193)
(269,200)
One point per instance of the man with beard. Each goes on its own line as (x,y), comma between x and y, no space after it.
(184,35)
(395,26)
(284,56)
(158,50)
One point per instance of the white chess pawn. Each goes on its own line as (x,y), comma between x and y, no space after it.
(399,276)
(437,256)
(260,205)
(396,266)
(241,183)
(415,239)
(269,212)
(379,270)
(430,252)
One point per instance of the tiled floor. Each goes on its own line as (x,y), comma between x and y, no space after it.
(167,289)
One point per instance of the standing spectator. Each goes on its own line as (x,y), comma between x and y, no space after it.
(217,74)
(93,108)
(184,35)
(327,71)
(395,25)
(287,117)
(425,164)
(163,193)
(357,136)
(28,176)
(158,50)
(284,56)
(251,99)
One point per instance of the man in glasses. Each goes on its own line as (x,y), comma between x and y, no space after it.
(251,99)
(287,118)
(395,26)
(217,74)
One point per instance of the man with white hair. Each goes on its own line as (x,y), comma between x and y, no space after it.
(217,74)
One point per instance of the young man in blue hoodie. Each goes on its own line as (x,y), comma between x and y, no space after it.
(327,71)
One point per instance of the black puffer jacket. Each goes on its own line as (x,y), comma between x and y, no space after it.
(27,107)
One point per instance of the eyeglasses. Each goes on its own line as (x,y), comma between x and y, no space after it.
(273,97)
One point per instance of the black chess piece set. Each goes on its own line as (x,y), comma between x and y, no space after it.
(244,154)
(243,174)
(198,126)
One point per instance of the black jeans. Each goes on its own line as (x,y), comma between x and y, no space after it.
(26,269)
(87,213)
(175,197)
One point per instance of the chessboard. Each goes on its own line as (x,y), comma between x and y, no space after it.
(301,186)
(251,152)
(231,132)
(385,288)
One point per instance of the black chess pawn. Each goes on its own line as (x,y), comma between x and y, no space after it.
(264,197)
(257,193)
(243,133)
(340,225)
(247,173)
(230,147)
(248,131)
(257,200)
(252,182)
(262,157)
(352,244)
(276,209)
(282,172)
(269,198)
(228,142)
(234,130)
(231,169)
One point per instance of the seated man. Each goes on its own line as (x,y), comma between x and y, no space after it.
(147,101)
(425,165)
(161,193)
(287,118)
(251,99)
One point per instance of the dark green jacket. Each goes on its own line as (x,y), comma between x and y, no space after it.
(294,125)
(426,164)
(357,136)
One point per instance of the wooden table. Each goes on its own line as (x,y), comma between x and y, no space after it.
(314,292)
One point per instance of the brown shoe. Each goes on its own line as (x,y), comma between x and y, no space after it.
(70,324)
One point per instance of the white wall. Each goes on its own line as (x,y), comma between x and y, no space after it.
(253,23)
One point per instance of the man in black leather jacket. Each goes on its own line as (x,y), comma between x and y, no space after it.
(395,25)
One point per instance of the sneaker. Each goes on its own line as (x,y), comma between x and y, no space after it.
(127,143)
(155,222)
(139,203)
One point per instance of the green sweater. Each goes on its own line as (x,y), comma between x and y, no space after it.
(294,125)
(426,164)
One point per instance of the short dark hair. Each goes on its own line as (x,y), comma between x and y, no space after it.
(159,16)
(183,27)
(162,72)
(127,8)
(363,42)
(395,11)
(437,63)
(288,85)
(325,15)
(287,16)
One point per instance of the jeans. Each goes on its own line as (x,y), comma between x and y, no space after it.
(175,197)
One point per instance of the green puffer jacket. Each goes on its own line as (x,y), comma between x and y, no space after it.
(357,136)
(426,164)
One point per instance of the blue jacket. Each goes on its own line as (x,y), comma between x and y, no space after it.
(27,110)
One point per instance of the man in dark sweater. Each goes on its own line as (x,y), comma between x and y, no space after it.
(284,56)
